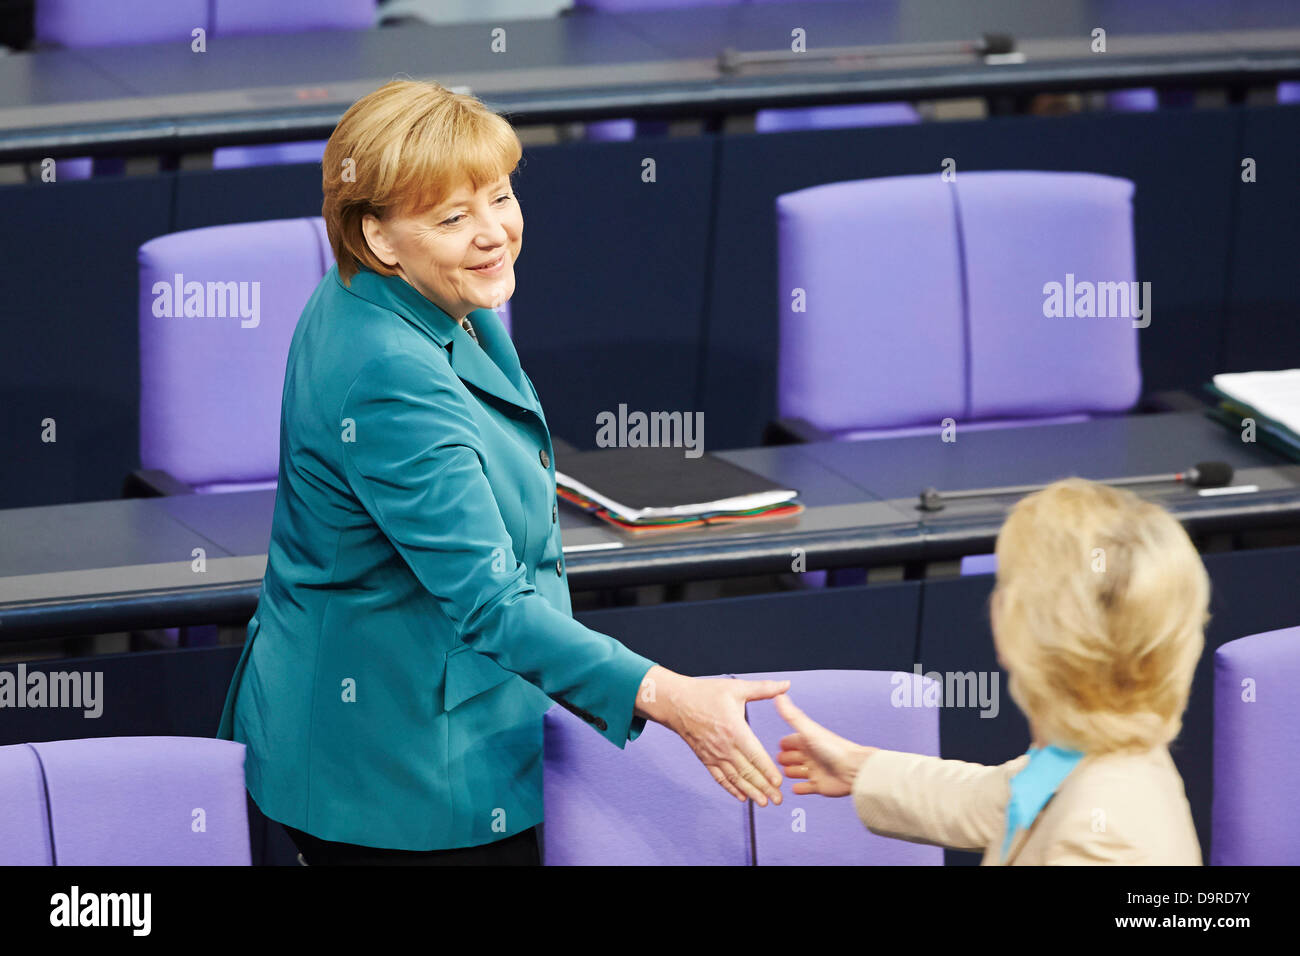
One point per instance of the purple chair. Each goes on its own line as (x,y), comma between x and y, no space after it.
(1139,100)
(653,803)
(1146,99)
(649,804)
(25,822)
(235,17)
(979,564)
(636,6)
(87,23)
(146,801)
(1257,751)
(950,277)
(210,385)
(835,117)
(268,154)
(809,830)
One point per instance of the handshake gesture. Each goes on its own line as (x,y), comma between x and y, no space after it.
(709,714)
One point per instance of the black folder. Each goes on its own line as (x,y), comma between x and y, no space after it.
(646,484)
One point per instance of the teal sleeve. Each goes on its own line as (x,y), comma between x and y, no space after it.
(415,461)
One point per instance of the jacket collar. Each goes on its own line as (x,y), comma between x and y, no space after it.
(490,365)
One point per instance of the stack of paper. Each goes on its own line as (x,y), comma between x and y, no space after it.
(642,489)
(1271,400)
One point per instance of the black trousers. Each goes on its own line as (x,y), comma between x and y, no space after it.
(518,850)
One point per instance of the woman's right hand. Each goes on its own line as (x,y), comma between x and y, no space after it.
(709,714)
(828,762)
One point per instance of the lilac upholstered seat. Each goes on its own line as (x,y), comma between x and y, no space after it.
(835,117)
(810,830)
(653,803)
(1138,100)
(1257,750)
(268,154)
(210,386)
(610,131)
(146,801)
(25,820)
(87,23)
(933,295)
(233,17)
(979,564)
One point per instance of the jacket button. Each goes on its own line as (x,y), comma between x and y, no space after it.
(559,566)
(546,459)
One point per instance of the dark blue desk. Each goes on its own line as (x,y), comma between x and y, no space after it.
(163,97)
(122,565)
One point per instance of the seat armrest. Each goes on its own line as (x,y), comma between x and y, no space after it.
(1175,400)
(793,431)
(153,483)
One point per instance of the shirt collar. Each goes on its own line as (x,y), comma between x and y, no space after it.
(1034,785)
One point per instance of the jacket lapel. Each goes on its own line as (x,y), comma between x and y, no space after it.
(470,361)
(1017,844)
(492,365)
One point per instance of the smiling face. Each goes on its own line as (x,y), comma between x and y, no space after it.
(459,254)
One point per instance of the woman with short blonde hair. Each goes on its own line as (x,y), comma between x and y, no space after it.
(1101,604)
(1098,616)
(414,622)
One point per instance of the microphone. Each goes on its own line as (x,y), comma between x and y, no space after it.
(990,44)
(1204,474)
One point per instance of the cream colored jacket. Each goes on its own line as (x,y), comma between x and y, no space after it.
(1113,808)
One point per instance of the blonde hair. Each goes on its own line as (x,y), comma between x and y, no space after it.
(403,149)
(1101,607)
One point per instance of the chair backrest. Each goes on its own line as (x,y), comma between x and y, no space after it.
(268,154)
(210,379)
(231,17)
(653,803)
(25,820)
(1138,100)
(146,801)
(979,564)
(87,23)
(632,6)
(1256,751)
(924,299)
(649,804)
(835,117)
(809,830)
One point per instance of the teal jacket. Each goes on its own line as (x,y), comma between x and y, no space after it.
(414,622)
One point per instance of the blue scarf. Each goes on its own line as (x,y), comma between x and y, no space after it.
(1034,785)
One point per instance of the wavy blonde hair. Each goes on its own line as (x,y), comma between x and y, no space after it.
(401,150)
(1099,616)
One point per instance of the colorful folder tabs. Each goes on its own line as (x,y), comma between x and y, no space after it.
(641,490)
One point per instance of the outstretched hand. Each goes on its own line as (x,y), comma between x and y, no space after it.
(824,762)
(709,714)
